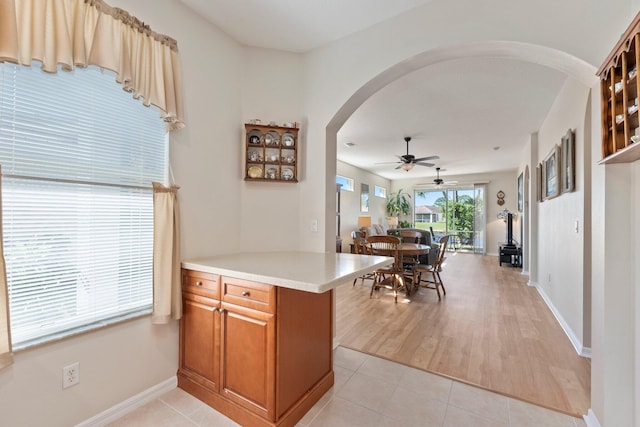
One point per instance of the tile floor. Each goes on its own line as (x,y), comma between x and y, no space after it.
(372,392)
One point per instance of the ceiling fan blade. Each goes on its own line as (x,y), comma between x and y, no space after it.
(429,165)
(386,163)
(398,167)
(427,158)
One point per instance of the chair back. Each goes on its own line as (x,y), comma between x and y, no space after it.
(361,246)
(441,251)
(387,246)
(410,236)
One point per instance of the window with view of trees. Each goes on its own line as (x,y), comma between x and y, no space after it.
(449,211)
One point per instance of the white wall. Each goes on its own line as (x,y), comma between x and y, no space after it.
(271,91)
(350,201)
(505,181)
(120,361)
(560,247)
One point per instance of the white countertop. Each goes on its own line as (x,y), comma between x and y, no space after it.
(306,271)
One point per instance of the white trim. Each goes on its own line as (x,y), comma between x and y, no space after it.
(591,420)
(577,345)
(131,404)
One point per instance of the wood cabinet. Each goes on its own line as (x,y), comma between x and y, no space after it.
(271,153)
(258,353)
(619,92)
(200,329)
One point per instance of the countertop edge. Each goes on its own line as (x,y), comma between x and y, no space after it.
(287,282)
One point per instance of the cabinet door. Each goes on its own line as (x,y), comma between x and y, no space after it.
(199,341)
(248,358)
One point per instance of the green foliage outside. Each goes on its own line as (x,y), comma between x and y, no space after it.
(458,215)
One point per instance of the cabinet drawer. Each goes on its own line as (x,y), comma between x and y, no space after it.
(258,296)
(205,284)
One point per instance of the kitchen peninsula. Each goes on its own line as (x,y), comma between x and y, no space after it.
(256,336)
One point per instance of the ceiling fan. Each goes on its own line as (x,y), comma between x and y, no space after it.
(408,161)
(439,182)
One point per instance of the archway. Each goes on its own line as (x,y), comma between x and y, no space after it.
(573,67)
(570,65)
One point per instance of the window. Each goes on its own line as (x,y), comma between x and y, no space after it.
(456,211)
(347,183)
(380,192)
(78,156)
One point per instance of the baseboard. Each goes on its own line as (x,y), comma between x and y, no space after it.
(336,343)
(591,420)
(134,402)
(577,345)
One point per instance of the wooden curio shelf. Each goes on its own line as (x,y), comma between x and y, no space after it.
(271,153)
(619,92)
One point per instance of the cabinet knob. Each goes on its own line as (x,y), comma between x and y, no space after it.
(215,309)
(245,293)
(198,283)
(221,310)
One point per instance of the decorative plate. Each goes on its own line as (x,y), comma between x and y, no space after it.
(255,172)
(268,139)
(254,139)
(287,141)
(287,173)
(500,194)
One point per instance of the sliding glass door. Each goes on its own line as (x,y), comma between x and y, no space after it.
(456,211)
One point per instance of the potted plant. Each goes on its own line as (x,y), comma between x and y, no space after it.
(399,204)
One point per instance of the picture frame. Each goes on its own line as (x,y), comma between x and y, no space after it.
(568,172)
(364,197)
(551,173)
(521,192)
(539,183)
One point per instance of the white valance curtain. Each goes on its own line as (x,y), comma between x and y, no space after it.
(167,299)
(73,33)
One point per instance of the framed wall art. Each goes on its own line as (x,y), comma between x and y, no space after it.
(521,192)
(364,197)
(539,183)
(551,170)
(568,162)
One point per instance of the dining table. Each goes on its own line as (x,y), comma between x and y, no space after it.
(400,275)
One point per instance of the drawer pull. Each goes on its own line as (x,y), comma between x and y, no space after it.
(245,293)
(198,283)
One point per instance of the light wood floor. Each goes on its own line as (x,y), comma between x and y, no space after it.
(490,330)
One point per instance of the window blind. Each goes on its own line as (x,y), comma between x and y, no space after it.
(78,156)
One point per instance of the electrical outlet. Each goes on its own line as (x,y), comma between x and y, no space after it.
(314,225)
(71,375)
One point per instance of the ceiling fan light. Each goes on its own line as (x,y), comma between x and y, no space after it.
(407,166)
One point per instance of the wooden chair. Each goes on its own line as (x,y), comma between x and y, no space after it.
(434,269)
(410,236)
(390,276)
(362,247)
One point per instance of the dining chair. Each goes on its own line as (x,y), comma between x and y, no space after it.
(434,269)
(410,236)
(392,275)
(362,247)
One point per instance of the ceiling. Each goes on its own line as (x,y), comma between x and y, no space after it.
(477,114)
